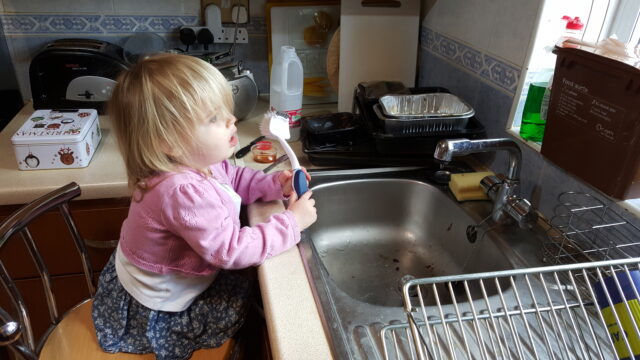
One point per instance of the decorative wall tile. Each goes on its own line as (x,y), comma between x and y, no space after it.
(24,24)
(59,6)
(166,7)
(495,71)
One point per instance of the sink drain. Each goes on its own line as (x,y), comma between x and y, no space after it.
(472,233)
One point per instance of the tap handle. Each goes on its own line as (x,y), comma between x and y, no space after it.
(521,210)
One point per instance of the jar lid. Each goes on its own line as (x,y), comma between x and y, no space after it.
(573,24)
(263,145)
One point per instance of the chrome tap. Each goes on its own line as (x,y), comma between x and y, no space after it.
(502,190)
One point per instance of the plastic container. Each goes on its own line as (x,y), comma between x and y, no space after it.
(532,126)
(285,90)
(593,132)
(573,28)
(264,152)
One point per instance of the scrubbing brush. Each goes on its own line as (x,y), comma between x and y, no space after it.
(275,125)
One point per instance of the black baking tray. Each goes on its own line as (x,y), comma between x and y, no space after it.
(424,144)
(364,142)
(332,128)
(364,148)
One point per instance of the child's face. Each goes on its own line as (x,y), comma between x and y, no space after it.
(217,139)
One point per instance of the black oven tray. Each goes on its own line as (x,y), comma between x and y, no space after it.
(362,141)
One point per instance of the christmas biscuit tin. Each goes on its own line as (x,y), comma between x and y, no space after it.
(57,139)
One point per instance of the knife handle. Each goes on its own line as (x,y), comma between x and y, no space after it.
(245,150)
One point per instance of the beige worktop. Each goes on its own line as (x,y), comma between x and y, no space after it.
(105,177)
(295,329)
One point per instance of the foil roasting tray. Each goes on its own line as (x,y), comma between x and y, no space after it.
(418,126)
(423,106)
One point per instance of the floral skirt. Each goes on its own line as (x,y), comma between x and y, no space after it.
(124,325)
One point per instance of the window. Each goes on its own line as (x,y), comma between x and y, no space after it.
(602,19)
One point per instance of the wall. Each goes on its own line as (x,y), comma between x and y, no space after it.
(477,49)
(29,25)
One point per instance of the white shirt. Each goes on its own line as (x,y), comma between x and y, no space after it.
(165,292)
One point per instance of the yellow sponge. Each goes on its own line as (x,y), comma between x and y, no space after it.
(466,186)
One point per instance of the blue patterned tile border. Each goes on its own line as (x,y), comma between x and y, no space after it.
(27,24)
(487,67)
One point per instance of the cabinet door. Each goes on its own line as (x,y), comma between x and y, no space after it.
(98,222)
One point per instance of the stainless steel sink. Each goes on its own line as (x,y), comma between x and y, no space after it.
(379,227)
(371,233)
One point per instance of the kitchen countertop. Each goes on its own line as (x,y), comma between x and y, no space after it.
(294,326)
(105,177)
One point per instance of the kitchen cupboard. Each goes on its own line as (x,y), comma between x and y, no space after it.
(98,221)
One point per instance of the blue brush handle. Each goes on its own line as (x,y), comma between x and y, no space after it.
(300,182)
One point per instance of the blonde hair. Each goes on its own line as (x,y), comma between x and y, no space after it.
(156,107)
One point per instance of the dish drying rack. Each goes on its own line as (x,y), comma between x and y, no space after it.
(579,307)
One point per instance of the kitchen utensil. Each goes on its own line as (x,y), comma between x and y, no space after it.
(419,126)
(245,149)
(331,128)
(435,105)
(275,125)
(278,161)
(333,60)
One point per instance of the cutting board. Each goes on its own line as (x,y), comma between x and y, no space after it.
(377,43)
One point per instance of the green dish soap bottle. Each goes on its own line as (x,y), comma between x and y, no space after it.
(532,126)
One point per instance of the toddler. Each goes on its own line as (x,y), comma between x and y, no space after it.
(166,289)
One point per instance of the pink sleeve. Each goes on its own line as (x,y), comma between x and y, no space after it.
(253,185)
(202,220)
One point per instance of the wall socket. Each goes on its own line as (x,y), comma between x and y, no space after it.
(225,8)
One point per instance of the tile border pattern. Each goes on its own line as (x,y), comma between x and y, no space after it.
(487,67)
(41,24)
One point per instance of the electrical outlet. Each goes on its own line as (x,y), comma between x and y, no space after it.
(225,8)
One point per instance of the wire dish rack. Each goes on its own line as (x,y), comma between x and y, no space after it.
(583,306)
(583,229)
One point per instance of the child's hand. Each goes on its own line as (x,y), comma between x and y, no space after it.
(285,181)
(303,209)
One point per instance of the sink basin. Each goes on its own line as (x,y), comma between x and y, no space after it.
(379,227)
(372,234)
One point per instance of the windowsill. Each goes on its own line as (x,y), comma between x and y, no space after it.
(632,206)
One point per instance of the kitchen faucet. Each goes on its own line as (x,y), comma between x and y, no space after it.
(502,190)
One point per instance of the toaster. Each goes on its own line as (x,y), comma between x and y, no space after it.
(75,73)
(243,88)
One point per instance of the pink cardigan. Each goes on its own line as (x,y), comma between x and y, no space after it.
(187,223)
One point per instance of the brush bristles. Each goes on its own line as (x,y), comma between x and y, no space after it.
(275,124)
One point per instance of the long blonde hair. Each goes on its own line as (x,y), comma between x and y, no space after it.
(155,109)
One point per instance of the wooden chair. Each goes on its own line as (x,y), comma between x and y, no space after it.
(72,335)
